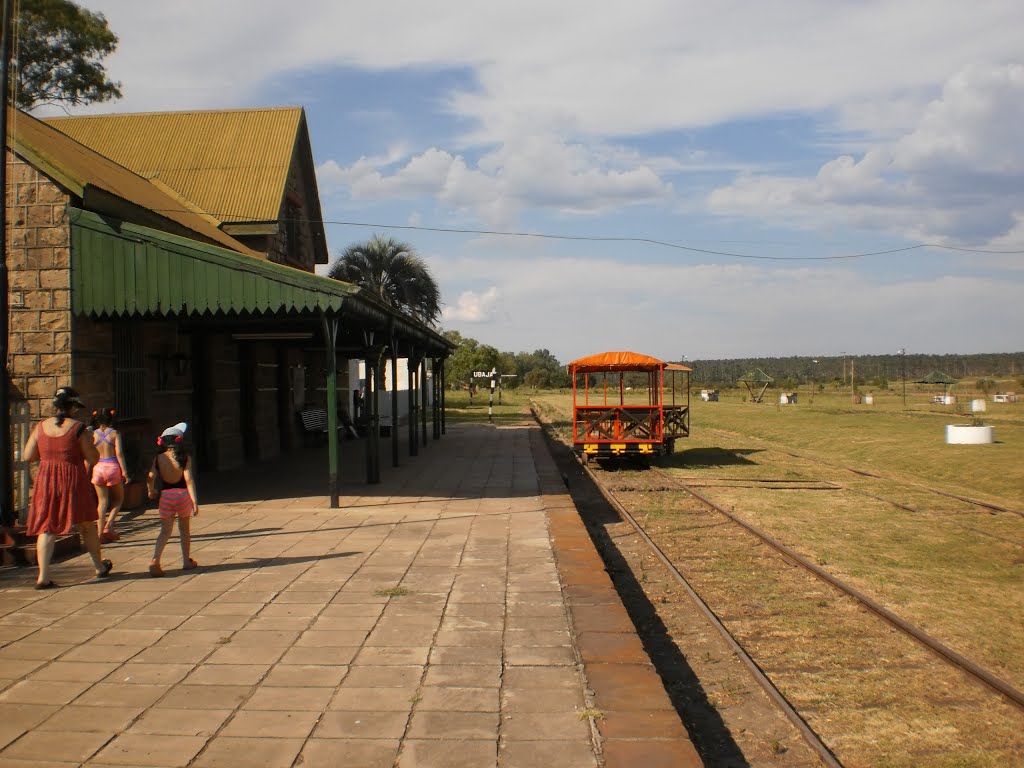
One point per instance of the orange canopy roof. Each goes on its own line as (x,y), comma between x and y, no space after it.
(616,361)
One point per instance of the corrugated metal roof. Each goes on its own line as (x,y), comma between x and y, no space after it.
(77,168)
(233,164)
(133,270)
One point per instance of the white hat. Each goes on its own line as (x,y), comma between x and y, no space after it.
(177,429)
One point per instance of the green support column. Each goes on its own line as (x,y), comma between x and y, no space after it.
(413,420)
(330,329)
(444,390)
(394,404)
(423,399)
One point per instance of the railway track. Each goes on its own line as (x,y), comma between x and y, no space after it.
(843,667)
(940,649)
(875,655)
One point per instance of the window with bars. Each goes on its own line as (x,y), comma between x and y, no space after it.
(129,372)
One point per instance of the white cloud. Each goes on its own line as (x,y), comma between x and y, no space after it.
(562,68)
(473,307)
(957,177)
(535,172)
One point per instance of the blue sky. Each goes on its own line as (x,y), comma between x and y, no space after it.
(793,130)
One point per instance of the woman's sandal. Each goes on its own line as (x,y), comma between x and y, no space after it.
(45,585)
(191,565)
(110,535)
(107,568)
(155,570)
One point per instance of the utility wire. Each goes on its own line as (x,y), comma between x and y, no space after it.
(233,218)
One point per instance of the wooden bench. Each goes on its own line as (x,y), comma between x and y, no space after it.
(314,422)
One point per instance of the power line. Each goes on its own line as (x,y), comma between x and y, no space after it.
(608,239)
(666,244)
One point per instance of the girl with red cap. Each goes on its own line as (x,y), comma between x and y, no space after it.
(171,479)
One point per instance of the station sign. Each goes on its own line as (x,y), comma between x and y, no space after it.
(485,374)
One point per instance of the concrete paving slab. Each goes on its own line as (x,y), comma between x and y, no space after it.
(456,614)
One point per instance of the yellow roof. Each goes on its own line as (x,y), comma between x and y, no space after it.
(80,170)
(232,164)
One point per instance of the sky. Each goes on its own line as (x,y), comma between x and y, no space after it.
(691,180)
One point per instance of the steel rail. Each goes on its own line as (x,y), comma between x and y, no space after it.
(809,736)
(974,670)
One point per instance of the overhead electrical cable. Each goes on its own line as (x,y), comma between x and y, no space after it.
(617,239)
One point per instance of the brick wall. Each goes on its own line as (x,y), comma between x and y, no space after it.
(39,254)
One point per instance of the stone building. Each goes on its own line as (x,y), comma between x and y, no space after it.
(162,264)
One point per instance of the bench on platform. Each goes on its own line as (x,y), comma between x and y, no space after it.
(314,421)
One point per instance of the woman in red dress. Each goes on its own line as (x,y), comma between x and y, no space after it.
(62,499)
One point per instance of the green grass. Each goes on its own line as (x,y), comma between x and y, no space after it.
(511,410)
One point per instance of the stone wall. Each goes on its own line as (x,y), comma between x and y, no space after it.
(39,258)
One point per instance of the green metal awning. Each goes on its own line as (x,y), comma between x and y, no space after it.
(120,269)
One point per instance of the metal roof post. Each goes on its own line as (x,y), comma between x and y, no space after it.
(330,329)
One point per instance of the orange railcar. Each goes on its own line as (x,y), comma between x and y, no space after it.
(611,419)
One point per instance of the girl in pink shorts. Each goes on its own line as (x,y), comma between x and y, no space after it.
(171,479)
(109,474)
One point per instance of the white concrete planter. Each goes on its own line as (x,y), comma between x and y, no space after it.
(960,434)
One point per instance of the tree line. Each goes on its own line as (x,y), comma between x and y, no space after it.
(542,370)
(847,370)
(538,369)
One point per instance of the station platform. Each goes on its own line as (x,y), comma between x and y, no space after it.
(456,615)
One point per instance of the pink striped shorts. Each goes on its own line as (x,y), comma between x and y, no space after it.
(175,502)
(107,473)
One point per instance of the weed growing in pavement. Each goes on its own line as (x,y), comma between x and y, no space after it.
(590,714)
(393,592)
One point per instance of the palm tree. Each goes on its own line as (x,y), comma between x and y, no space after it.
(393,272)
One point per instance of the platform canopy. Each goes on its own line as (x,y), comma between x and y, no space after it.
(617,361)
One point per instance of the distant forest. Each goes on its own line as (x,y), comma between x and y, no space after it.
(868,369)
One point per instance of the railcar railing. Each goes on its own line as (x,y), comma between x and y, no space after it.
(677,420)
(619,423)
